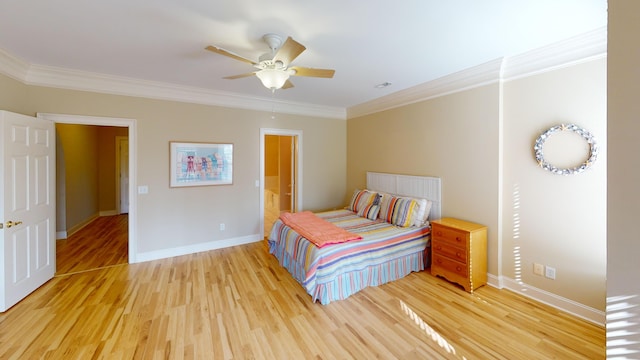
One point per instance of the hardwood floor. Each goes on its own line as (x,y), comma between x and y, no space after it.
(239,303)
(103,242)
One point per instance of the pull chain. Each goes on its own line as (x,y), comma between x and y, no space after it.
(273,104)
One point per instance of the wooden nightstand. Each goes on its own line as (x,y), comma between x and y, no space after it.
(459,252)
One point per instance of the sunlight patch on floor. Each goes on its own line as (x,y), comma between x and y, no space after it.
(433,334)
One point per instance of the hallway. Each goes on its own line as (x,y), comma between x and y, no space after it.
(102,243)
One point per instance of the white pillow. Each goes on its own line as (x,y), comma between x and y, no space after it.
(423,212)
(419,216)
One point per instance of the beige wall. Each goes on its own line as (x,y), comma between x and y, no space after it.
(453,137)
(480,142)
(107,166)
(13,95)
(79,161)
(623,204)
(552,219)
(169,218)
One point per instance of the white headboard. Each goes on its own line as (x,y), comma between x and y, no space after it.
(424,187)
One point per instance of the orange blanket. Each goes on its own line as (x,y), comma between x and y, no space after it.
(317,230)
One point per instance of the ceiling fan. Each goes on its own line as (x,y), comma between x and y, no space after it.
(274,67)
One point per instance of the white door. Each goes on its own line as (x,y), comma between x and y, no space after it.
(123,146)
(27,215)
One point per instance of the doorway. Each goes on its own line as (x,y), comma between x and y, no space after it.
(280,169)
(93,234)
(130,125)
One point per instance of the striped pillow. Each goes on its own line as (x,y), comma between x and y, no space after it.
(387,202)
(404,212)
(361,199)
(370,212)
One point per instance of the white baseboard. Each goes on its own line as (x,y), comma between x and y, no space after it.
(60,235)
(191,249)
(545,297)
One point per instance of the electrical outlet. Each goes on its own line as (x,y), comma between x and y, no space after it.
(550,272)
(538,269)
(222,227)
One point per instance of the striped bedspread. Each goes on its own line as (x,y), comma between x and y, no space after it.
(334,272)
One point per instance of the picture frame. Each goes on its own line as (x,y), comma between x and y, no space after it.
(200,164)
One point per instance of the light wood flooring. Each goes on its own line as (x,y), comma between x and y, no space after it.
(103,242)
(239,303)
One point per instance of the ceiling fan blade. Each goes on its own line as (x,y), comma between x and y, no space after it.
(224,52)
(304,71)
(289,51)
(239,76)
(287,85)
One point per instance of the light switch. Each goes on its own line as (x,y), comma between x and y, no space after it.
(143,189)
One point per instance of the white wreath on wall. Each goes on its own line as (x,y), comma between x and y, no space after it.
(539,145)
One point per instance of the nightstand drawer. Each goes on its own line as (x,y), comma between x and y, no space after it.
(450,265)
(444,248)
(452,236)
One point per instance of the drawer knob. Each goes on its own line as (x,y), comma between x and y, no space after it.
(458,254)
(458,268)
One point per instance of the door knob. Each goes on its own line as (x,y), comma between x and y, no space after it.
(11,223)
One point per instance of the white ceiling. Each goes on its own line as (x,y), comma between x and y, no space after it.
(406,43)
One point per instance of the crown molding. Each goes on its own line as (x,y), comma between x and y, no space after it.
(13,67)
(582,48)
(479,75)
(48,76)
(586,47)
(87,81)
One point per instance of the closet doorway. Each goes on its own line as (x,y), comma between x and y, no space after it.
(280,181)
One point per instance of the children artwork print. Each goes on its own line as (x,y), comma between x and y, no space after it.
(200,164)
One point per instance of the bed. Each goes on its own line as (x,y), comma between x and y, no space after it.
(391,242)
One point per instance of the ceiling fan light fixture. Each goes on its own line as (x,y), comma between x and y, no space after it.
(273,67)
(273,78)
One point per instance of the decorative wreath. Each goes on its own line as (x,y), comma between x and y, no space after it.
(593,149)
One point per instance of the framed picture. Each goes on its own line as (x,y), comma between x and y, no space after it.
(200,164)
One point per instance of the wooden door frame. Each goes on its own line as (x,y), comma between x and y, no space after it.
(122,122)
(297,168)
